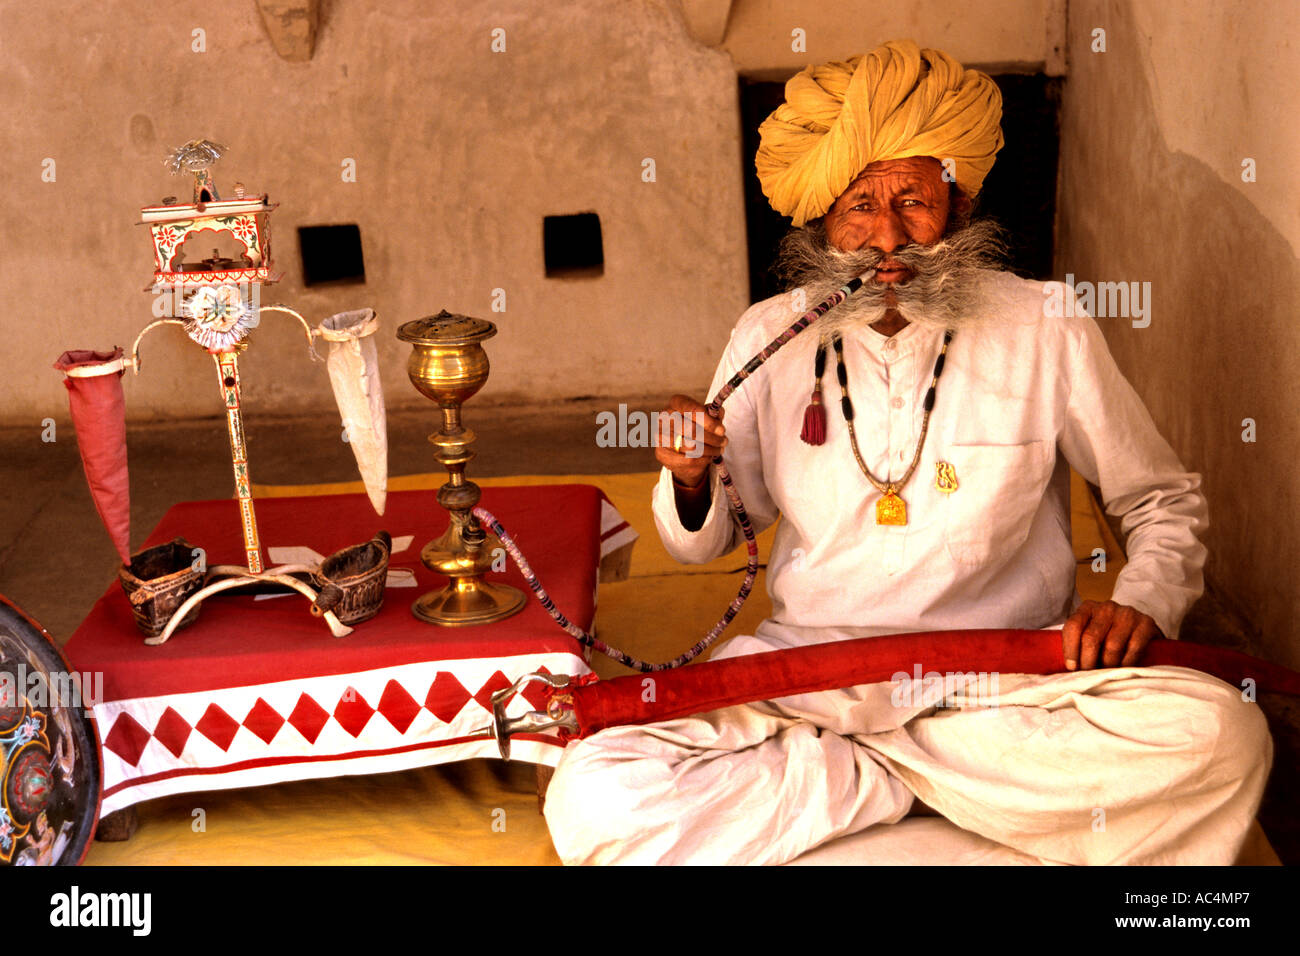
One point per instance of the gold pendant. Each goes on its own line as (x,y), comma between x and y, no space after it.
(890,509)
(945,478)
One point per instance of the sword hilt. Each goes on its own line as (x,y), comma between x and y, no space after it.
(503,728)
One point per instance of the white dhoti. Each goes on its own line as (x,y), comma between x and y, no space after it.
(1159,765)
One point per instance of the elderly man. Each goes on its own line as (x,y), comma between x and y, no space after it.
(930,493)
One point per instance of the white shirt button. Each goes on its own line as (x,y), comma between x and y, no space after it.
(897,403)
(890,345)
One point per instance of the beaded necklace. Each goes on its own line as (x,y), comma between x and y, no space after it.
(890,508)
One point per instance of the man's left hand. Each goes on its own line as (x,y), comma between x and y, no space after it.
(1106,634)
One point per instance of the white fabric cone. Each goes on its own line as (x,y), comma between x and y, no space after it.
(354,376)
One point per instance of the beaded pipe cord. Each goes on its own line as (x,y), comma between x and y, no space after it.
(733,498)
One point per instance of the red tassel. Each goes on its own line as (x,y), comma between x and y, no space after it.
(814,421)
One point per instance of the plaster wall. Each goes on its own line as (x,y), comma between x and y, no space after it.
(760,37)
(1154,131)
(459,153)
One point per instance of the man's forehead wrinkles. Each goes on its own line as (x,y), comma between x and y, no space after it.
(911,166)
(897,181)
(891,179)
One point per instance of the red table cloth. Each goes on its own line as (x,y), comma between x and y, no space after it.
(259,691)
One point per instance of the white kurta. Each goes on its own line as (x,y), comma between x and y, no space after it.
(1172,762)
(996,552)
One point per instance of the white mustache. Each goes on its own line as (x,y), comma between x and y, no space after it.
(941,290)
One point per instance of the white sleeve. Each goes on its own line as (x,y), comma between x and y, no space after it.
(721,533)
(1111,440)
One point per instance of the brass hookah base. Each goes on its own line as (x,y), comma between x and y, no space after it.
(448,365)
(464,553)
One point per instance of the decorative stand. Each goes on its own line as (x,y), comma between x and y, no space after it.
(216,301)
(448,366)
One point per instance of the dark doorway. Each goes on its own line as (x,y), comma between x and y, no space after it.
(1020,191)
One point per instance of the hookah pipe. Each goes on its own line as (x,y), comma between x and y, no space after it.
(733,496)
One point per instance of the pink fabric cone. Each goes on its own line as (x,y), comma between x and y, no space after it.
(99,416)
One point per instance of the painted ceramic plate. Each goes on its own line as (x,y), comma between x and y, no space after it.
(51,771)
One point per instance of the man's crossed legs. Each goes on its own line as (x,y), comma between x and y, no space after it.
(1160,765)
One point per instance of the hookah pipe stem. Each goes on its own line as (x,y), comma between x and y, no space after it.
(228,378)
(733,498)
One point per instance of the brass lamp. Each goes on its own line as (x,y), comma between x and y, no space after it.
(448,366)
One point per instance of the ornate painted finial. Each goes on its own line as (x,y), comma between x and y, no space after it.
(196,157)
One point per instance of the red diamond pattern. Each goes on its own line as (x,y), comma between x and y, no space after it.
(264,720)
(218,726)
(446,697)
(308,718)
(172,731)
(352,712)
(398,707)
(127,739)
(494,684)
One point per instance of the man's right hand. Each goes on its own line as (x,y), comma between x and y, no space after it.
(689,438)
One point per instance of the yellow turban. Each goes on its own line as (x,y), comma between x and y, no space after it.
(895,102)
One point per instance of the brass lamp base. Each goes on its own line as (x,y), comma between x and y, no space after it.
(468,601)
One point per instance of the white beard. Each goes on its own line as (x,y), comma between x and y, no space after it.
(947,288)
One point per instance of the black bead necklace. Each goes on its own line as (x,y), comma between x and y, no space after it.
(890,508)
